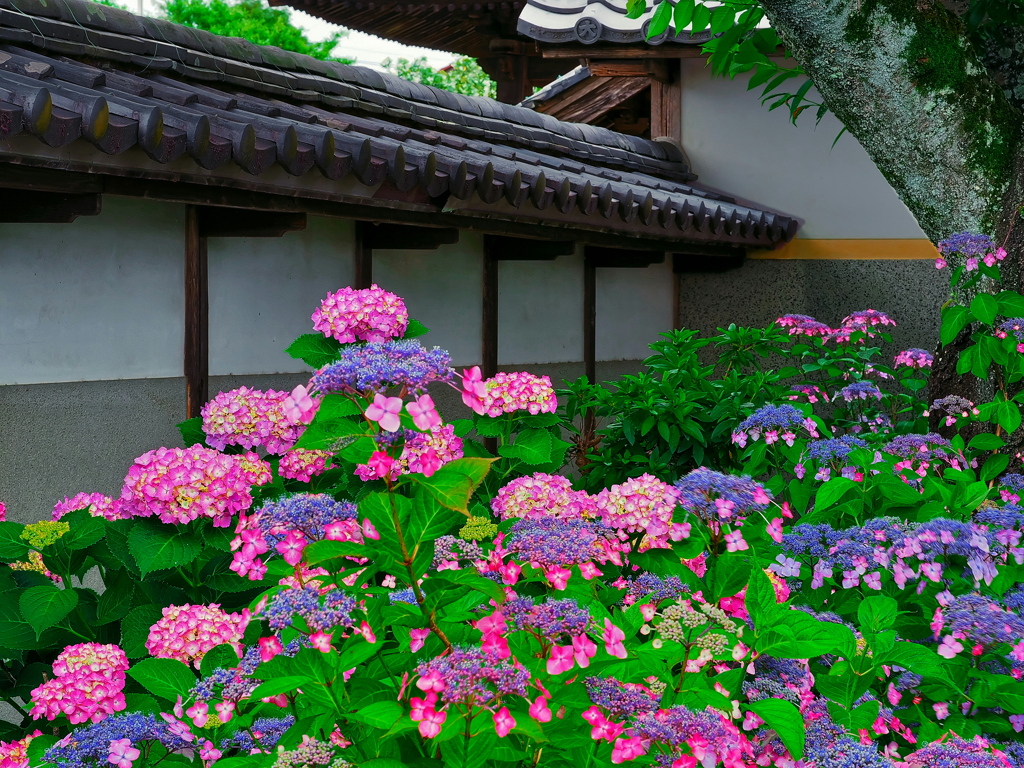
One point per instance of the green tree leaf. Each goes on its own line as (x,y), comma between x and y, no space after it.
(44,606)
(531,446)
(164,678)
(785,719)
(157,546)
(660,20)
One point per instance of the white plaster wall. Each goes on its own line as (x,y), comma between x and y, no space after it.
(737,145)
(443,289)
(263,291)
(100,298)
(540,311)
(633,307)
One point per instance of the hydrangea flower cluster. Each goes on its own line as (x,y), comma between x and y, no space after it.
(919,452)
(181,484)
(859,390)
(250,418)
(377,366)
(1011,486)
(303,464)
(97,504)
(954,407)
(321,612)
(549,543)
(286,526)
(518,391)
(775,422)
(45,533)
(369,314)
(719,500)
(864,321)
(542,495)
(14,754)
(642,505)
(549,619)
(810,391)
(91,746)
(972,246)
(87,685)
(188,632)
(830,455)
(422,452)
(914,358)
(803,325)
(1015,327)
(467,677)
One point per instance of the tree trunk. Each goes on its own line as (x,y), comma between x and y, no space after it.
(904,79)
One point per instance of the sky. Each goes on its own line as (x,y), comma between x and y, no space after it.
(367,50)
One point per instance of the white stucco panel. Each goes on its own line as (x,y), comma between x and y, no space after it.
(540,311)
(737,145)
(263,291)
(100,298)
(443,289)
(633,307)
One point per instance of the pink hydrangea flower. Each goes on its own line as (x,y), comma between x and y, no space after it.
(543,495)
(302,464)
(643,504)
(386,411)
(14,754)
(188,632)
(251,418)
(181,484)
(424,453)
(369,314)
(97,504)
(87,685)
(519,391)
(122,753)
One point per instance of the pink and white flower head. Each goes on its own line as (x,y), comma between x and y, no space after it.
(542,495)
(188,632)
(14,754)
(369,314)
(97,504)
(302,464)
(250,418)
(179,485)
(87,685)
(518,391)
(643,504)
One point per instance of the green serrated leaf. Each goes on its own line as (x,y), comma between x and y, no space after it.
(157,546)
(135,629)
(164,678)
(453,484)
(314,349)
(415,329)
(531,446)
(192,431)
(44,606)
(785,719)
(984,307)
(12,546)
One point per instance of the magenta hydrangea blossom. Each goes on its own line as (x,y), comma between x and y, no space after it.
(643,505)
(518,391)
(14,754)
(188,632)
(423,452)
(803,325)
(250,418)
(369,314)
(181,484)
(914,358)
(302,464)
(97,504)
(88,684)
(542,495)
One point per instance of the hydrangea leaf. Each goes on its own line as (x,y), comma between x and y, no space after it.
(164,678)
(12,546)
(314,349)
(192,431)
(414,329)
(454,483)
(531,446)
(44,606)
(785,719)
(156,546)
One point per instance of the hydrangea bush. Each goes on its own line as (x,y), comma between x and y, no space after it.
(337,577)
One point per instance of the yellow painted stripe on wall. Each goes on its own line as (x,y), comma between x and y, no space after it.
(850,249)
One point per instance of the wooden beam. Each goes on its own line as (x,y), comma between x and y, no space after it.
(621,258)
(667,106)
(598,51)
(197,317)
(238,222)
(655,68)
(524,249)
(46,180)
(593,98)
(397,237)
(19,206)
(708,259)
(363,256)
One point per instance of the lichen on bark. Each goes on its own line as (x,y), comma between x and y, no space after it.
(906,81)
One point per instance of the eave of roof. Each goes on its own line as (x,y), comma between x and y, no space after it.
(88,87)
(595,21)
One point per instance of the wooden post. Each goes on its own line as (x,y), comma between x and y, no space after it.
(363,255)
(513,82)
(489,342)
(590,319)
(197,316)
(666,104)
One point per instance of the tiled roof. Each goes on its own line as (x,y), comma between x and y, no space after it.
(99,89)
(593,21)
(555,87)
